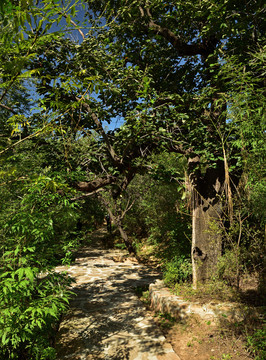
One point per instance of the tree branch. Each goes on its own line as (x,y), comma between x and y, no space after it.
(8,108)
(86,195)
(92,186)
(182,48)
(76,26)
(26,138)
(115,159)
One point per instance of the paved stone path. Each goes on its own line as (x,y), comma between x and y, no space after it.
(106,320)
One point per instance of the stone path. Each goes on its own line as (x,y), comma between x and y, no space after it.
(106,320)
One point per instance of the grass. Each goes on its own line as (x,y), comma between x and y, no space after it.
(166,321)
(142,293)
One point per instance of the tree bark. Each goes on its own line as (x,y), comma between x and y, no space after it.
(125,238)
(117,221)
(206,191)
(206,239)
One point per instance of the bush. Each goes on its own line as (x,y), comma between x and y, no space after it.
(32,296)
(30,306)
(257,343)
(177,270)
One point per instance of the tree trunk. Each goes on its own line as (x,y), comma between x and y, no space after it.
(206,204)
(124,236)
(117,221)
(206,239)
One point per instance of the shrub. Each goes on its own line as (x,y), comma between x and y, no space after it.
(179,269)
(257,343)
(30,306)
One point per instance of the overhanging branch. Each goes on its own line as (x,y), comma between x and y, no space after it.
(83,196)
(182,47)
(8,108)
(94,185)
(115,159)
(74,24)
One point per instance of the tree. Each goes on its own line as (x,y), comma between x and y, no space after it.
(182,48)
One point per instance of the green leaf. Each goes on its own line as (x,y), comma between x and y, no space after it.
(5,338)
(29,274)
(20,272)
(73,11)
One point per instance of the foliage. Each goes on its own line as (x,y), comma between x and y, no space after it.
(158,212)
(91,214)
(30,305)
(246,101)
(166,321)
(32,238)
(177,270)
(256,343)
(242,250)
(32,296)
(203,89)
(243,226)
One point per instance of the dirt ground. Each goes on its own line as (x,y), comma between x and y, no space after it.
(196,339)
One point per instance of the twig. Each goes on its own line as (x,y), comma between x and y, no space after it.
(76,26)
(86,195)
(8,108)
(26,138)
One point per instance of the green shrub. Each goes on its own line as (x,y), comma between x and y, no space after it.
(229,265)
(179,269)
(30,305)
(32,296)
(257,343)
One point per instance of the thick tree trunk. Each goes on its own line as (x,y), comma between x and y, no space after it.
(206,204)
(206,239)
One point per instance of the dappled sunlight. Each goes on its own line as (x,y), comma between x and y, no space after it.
(106,318)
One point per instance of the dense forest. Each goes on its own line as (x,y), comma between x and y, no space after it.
(149,111)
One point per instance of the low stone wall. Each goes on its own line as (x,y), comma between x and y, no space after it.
(162,300)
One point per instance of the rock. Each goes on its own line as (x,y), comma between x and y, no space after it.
(162,300)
